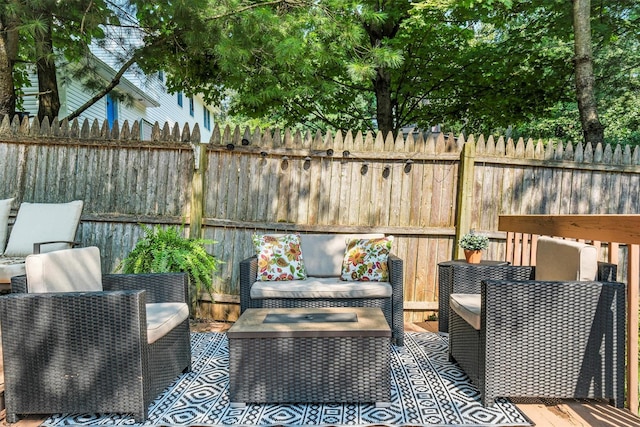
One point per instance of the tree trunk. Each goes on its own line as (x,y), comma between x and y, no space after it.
(592,129)
(8,56)
(49,101)
(384,104)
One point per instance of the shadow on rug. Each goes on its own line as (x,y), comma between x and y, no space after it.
(426,390)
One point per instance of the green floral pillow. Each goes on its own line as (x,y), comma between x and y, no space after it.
(366,259)
(279,257)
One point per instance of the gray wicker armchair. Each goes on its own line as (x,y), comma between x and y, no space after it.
(543,338)
(88,352)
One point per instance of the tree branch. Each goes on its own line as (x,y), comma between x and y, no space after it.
(114,82)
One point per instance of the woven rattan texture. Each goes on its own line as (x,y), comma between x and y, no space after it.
(461,277)
(545,339)
(88,352)
(391,307)
(327,369)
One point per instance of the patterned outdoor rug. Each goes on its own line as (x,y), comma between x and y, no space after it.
(427,390)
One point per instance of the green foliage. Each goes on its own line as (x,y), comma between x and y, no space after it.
(474,242)
(168,251)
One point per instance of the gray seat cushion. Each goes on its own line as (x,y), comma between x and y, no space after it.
(468,307)
(320,287)
(162,317)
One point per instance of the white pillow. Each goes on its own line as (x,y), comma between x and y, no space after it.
(565,260)
(67,270)
(43,222)
(5,210)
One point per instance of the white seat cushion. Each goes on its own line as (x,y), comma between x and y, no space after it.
(11,266)
(68,270)
(468,307)
(565,260)
(162,317)
(43,222)
(323,253)
(320,287)
(5,211)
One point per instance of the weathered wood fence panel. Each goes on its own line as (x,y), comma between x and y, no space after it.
(278,181)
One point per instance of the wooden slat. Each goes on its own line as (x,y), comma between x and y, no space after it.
(606,228)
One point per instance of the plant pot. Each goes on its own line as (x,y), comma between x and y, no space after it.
(473,257)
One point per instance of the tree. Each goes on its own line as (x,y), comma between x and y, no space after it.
(9,13)
(584,76)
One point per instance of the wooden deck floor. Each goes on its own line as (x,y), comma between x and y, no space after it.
(544,413)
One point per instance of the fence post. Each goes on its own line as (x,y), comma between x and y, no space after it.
(465,194)
(197,189)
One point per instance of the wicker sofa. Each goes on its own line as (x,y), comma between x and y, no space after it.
(323,255)
(555,338)
(110,351)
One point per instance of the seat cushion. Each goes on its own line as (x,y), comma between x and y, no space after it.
(11,266)
(323,253)
(468,307)
(162,317)
(43,222)
(565,260)
(320,287)
(5,211)
(68,270)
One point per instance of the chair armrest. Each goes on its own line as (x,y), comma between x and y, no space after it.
(396,279)
(607,272)
(248,276)
(36,246)
(160,287)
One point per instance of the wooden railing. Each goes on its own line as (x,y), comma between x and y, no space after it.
(615,230)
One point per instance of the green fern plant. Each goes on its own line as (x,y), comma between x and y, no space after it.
(168,251)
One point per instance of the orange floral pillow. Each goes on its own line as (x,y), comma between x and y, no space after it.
(366,259)
(279,257)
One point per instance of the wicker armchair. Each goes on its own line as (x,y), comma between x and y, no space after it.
(89,352)
(543,338)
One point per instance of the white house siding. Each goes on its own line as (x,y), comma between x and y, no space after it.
(74,95)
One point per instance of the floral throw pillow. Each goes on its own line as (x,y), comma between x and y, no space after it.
(279,257)
(366,259)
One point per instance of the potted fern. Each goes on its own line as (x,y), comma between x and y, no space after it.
(168,251)
(473,245)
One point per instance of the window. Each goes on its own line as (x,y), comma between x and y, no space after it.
(112,110)
(161,76)
(191,111)
(207,118)
(180,99)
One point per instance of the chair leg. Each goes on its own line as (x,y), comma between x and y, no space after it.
(140,417)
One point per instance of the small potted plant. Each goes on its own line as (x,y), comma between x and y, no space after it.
(168,251)
(473,245)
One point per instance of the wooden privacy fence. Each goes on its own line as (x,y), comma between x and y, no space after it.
(422,190)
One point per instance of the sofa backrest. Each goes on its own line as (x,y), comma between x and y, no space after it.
(323,253)
(565,260)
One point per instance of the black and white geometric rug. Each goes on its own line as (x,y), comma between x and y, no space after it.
(426,390)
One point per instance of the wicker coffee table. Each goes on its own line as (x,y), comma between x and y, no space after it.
(296,355)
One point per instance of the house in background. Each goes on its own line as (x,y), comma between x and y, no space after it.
(150,101)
